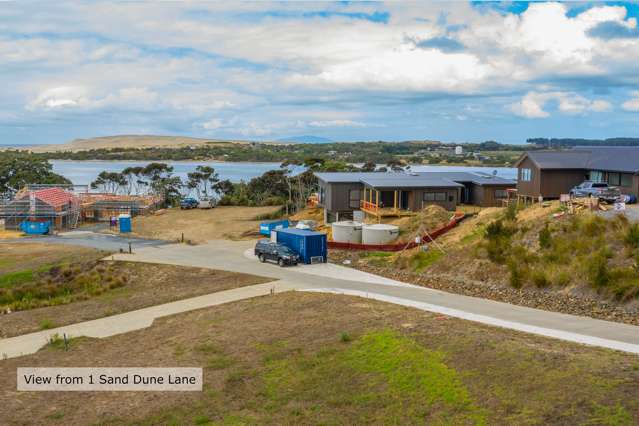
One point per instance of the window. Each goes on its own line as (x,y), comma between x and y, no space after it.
(434,196)
(614,179)
(501,193)
(626,179)
(596,176)
(321,195)
(599,185)
(353,198)
(525,175)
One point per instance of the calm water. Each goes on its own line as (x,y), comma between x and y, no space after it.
(85,172)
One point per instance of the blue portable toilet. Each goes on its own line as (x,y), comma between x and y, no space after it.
(125,223)
(271,225)
(309,245)
(35,228)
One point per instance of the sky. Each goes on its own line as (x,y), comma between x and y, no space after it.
(346,71)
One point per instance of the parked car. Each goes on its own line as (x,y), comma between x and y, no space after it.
(279,253)
(599,190)
(206,203)
(188,203)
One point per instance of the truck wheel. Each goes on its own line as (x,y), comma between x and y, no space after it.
(261,257)
(280,262)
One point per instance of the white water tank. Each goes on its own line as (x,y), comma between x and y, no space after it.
(347,231)
(379,233)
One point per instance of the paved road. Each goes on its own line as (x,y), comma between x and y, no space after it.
(106,242)
(236,256)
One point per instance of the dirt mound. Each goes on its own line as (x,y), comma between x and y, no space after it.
(428,219)
(315,213)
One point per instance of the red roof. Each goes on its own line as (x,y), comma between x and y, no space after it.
(54,197)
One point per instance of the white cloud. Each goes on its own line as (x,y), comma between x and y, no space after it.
(336,123)
(532,104)
(633,103)
(60,97)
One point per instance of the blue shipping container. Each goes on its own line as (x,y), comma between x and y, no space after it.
(271,225)
(125,223)
(309,245)
(35,228)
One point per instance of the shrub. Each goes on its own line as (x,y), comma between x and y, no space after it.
(539,279)
(597,269)
(632,236)
(517,273)
(345,337)
(511,212)
(545,237)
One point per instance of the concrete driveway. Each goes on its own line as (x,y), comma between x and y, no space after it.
(235,256)
(328,278)
(106,242)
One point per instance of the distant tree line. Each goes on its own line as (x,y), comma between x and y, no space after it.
(353,152)
(568,142)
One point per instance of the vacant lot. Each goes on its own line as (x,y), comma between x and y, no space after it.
(301,358)
(224,222)
(143,285)
(17,257)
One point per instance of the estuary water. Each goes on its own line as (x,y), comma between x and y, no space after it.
(85,172)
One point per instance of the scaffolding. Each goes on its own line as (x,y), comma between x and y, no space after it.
(101,206)
(55,205)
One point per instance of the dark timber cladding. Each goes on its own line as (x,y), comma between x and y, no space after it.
(552,173)
(394,193)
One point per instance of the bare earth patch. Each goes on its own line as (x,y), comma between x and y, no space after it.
(224,222)
(146,285)
(300,358)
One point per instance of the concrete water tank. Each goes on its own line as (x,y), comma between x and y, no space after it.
(347,231)
(379,233)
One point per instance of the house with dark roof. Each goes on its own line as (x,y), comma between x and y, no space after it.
(397,194)
(552,173)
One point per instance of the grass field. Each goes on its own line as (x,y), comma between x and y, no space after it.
(224,222)
(299,358)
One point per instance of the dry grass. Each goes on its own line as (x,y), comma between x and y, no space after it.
(284,360)
(16,257)
(198,226)
(6,235)
(145,285)
(127,141)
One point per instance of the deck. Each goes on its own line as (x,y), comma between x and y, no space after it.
(374,210)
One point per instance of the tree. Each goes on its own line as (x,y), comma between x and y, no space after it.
(224,187)
(109,182)
(369,166)
(20,169)
(396,165)
(133,176)
(203,180)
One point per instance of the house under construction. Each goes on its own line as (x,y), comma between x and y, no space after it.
(64,206)
(58,206)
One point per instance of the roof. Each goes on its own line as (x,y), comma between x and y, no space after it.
(414,180)
(610,158)
(406,180)
(54,197)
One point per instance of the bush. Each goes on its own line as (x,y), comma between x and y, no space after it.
(517,273)
(539,279)
(511,212)
(632,236)
(597,269)
(545,237)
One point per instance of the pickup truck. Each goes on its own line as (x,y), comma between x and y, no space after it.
(188,203)
(599,190)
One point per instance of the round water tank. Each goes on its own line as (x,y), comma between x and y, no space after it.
(347,231)
(379,233)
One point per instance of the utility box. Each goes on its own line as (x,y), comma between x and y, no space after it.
(125,223)
(271,225)
(309,245)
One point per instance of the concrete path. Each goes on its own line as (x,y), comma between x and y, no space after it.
(134,320)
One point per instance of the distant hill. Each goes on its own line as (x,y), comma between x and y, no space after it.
(306,139)
(569,142)
(127,141)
